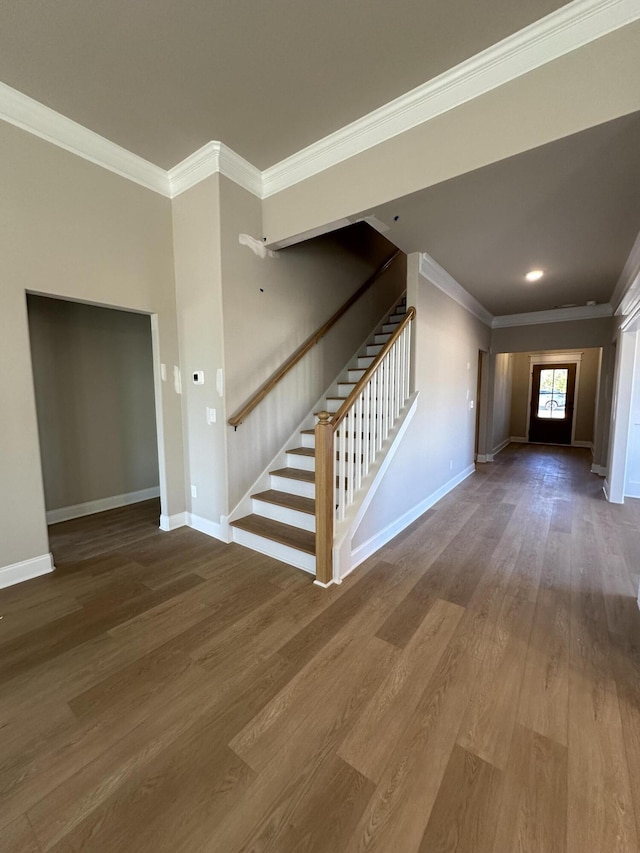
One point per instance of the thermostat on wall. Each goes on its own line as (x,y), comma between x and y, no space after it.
(198,377)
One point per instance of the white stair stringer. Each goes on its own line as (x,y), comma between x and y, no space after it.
(344,558)
(280,506)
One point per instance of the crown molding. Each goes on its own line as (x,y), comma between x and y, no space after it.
(558,33)
(23,112)
(567,29)
(212,158)
(627,290)
(555,315)
(445,282)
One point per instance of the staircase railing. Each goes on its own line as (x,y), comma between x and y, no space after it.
(304,348)
(349,441)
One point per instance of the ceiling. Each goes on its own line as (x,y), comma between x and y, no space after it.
(571,208)
(161,78)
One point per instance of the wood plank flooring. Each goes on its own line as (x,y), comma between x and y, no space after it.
(474,687)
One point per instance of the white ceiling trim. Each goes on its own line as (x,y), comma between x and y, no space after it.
(555,315)
(445,282)
(626,292)
(29,115)
(212,158)
(565,30)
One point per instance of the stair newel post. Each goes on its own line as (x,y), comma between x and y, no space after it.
(325,491)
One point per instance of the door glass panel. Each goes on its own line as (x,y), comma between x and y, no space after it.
(553,393)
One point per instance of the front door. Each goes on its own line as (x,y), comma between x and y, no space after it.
(552,395)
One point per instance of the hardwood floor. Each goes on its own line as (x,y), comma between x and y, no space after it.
(474,687)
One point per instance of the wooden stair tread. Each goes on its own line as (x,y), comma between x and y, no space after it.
(307,432)
(302,540)
(295,474)
(273,496)
(303,451)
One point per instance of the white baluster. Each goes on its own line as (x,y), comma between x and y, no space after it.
(358,459)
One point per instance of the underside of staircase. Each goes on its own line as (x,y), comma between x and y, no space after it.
(283,520)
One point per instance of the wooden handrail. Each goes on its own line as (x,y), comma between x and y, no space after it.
(304,348)
(339,416)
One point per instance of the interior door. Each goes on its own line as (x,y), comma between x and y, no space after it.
(552,395)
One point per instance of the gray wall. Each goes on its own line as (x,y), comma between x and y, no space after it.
(93,378)
(271,306)
(586,390)
(73,230)
(439,443)
(502,385)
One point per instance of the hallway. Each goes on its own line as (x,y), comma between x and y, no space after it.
(474,687)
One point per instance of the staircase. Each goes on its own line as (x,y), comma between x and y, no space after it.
(283,520)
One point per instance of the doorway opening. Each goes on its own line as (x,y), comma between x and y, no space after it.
(93,374)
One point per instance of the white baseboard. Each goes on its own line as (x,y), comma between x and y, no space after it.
(66,513)
(632,490)
(25,570)
(489,457)
(211,528)
(507,441)
(600,470)
(587,444)
(172,522)
(519,439)
(366,549)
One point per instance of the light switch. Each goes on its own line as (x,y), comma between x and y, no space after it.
(211,416)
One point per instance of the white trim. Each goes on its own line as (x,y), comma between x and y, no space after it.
(587,444)
(606,489)
(519,439)
(554,315)
(445,282)
(556,357)
(489,457)
(574,25)
(212,158)
(23,112)
(500,447)
(366,549)
(311,233)
(210,528)
(625,294)
(600,470)
(285,553)
(25,570)
(325,585)
(553,36)
(66,513)
(172,522)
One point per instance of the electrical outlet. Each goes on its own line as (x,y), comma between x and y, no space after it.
(194,490)
(211,416)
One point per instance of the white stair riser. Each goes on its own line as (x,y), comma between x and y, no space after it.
(333,405)
(365,361)
(355,375)
(307,440)
(304,463)
(373,349)
(381,338)
(345,388)
(397,318)
(389,328)
(299,559)
(294,487)
(284,514)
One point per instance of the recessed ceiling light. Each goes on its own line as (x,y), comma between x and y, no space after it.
(534,275)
